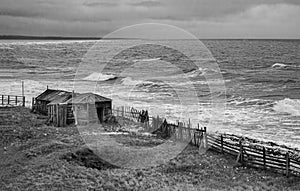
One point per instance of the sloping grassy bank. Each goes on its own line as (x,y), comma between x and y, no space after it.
(57,159)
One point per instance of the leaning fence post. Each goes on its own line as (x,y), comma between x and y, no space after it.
(287,164)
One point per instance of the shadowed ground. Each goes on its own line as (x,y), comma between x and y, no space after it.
(37,157)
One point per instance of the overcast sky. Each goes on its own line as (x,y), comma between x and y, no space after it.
(203,18)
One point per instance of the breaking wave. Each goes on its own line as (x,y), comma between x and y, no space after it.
(279,65)
(287,105)
(146,60)
(95,76)
(131,82)
(285,66)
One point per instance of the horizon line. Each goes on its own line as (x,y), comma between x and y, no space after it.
(36,37)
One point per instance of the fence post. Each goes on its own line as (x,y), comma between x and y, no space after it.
(240,157)
(8,97)
(23,101)
(2,99)
(287,164)
(222,144)
(180,131)
(32,103)
(195,143)
(189,130)
(205,137)
(264,157)
(16,100)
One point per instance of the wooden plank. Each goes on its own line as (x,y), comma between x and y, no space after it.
(274,158)
(211,143)
(275,163)
(294,161)
(217,146)
(257,151)
(225,146)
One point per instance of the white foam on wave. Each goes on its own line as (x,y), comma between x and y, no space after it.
(131,82)
(291,106)
(279,65)
(95,76)
(285,66)
(146,60)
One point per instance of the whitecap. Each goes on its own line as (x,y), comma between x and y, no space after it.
(287,105)
(95,76)
(279,65)
(146,60)
(129,81)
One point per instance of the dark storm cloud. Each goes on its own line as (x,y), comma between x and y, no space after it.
(107,15)
(75,10)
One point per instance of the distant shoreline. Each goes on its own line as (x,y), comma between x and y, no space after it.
(24,37)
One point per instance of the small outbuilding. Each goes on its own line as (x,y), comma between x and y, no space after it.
(65,108)
(90,108)
(39,104)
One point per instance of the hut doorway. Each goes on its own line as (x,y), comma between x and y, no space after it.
(100,113)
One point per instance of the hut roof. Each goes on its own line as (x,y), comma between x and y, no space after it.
(87,98)
(51,95)
(61,99)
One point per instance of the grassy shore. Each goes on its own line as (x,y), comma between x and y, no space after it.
(35,156)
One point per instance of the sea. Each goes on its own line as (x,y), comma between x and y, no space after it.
(245,87)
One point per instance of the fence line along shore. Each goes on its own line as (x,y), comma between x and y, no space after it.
(248,152)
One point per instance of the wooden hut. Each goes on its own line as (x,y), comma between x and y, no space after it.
(90,108)
(81,108)
(60,111)
(39,104)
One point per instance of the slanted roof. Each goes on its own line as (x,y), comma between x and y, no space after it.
(87,98)
(51,95)
(61,99)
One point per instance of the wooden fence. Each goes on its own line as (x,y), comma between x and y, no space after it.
(12,100)
(248,152)
(131,113)
(259,155)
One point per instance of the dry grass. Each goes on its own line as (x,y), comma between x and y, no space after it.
(57,159)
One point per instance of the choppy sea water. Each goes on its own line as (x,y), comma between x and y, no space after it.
(261,78)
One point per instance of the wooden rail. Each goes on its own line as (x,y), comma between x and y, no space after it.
(131,113)
(12,100)
(248,152)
